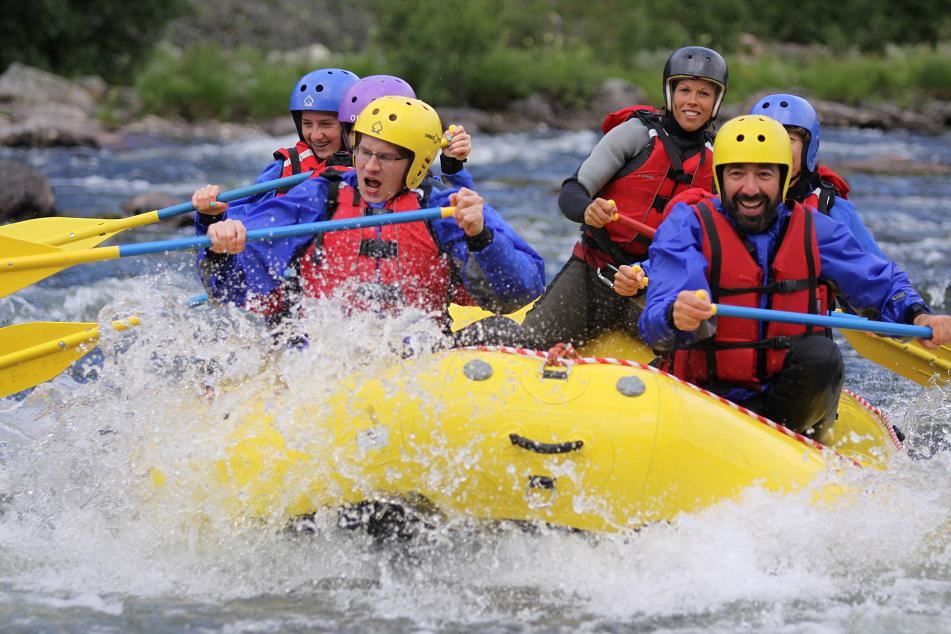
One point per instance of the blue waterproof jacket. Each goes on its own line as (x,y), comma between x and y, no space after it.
(503,275)
(844,211)
(868,281)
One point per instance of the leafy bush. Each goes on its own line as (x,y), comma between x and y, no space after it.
(931,74)
(110,38)
(205,81)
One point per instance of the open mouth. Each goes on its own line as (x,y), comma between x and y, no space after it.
(371,186)
(752,205)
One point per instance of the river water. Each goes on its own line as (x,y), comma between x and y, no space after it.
(81,550)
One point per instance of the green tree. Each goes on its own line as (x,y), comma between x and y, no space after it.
(110,38)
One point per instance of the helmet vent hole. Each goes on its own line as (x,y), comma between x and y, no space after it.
(319,88)
(766,105)
(303,87)
(740,138)
(784,104)
(376,111)
(392,117)
(353,99)
(761,138)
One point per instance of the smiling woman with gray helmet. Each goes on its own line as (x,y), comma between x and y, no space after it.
(646,157)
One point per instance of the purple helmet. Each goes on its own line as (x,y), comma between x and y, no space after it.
(366,90)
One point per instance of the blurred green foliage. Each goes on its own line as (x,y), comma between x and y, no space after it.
(109,38)
(190,83)
(485,53)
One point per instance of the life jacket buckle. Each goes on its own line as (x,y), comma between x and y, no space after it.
(788,286)
(680,176)
(782,342)
(379,249)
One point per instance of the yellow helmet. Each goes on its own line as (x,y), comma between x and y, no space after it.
(752,139)
(409,123)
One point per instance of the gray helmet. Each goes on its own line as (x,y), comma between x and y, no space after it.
(696,62)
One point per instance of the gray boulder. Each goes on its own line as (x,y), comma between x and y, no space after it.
(24,84)
(25,193)
(39,109)
(614,94)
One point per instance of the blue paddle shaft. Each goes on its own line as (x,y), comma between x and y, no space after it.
(241,192)
(288,231)
(825,321)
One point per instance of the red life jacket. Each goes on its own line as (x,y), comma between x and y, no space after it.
(301,158)
(830,185)
(736,354)
(689,196)
(642,189)
(386,268)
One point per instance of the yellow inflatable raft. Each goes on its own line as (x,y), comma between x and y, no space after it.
(590,443)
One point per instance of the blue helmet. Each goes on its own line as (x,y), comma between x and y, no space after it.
(319,90)
(791,110)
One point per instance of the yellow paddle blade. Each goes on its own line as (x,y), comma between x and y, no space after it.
(69,233)
(908,358)
(13,280)
(74,233)
(34,353)
(463,316)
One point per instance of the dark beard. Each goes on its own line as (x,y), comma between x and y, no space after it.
(745,224)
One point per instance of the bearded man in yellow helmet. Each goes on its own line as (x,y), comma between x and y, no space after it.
(471,257)
(749,248)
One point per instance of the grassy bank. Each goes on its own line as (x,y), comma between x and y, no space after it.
(192,83)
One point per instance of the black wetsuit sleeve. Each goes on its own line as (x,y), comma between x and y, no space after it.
(481,241)
(574,199)
(206,220)
(912,312)
(450,164)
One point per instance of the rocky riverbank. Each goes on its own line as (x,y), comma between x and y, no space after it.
(38,109)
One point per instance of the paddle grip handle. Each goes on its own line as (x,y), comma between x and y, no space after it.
(637,225)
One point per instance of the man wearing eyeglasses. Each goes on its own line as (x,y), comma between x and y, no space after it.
(473,257)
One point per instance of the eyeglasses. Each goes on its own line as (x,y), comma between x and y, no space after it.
(364,155)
